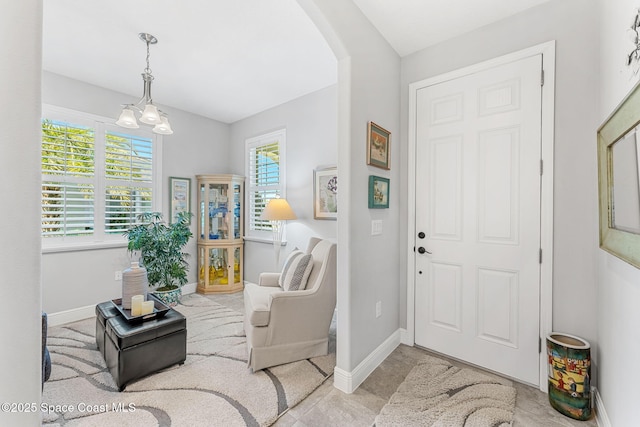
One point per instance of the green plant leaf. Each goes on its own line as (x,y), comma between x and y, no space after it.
(161,246)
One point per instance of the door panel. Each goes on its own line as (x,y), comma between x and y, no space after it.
(498,176)
(446,188)
(446,301)
(497,295)
(478,202)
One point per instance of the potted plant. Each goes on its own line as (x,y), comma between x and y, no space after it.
(160,247)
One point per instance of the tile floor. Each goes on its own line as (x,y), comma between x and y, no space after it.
(328,406)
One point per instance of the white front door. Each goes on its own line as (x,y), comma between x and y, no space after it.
(478,151)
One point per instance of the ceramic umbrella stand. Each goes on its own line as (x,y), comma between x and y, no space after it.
(569,375)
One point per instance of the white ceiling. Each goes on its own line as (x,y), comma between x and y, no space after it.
(228,60)
(412,25)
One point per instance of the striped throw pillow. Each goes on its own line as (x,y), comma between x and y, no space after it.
(296,271)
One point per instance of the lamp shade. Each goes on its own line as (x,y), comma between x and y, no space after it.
(278,209)
(127,119)
(150,115)
(163,128)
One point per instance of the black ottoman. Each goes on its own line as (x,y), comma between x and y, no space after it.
(104,311)
(133,351)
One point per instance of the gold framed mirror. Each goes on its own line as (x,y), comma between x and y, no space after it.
(619,180)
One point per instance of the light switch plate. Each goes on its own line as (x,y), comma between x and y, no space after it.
(376,227)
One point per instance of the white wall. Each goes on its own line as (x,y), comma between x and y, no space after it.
(572,23)
(20,357)
(618,282)
(311,125)
(368,267)
(198,145)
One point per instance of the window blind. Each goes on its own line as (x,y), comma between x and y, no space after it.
(68,191)
(264,177)
(96,180)
(129,180)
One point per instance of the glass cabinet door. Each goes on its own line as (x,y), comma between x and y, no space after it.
(218,209)
(237,268)
(202,266)
(237,213)
(220,268)
(202,232)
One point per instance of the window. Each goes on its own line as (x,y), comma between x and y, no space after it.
(265,178)
(96,177)
(68,188)
(128,179)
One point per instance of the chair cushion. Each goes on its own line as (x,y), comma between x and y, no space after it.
(258,303)
(296,270)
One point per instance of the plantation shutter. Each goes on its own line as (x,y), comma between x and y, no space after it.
(68,167)
(128,180)
(265,176)
(96,179)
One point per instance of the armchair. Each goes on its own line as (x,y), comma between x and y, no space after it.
(286,326)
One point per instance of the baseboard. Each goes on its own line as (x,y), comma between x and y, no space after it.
(75,314)
(602,419)
(404,337)
(189,288)
(342,380)
(348,382)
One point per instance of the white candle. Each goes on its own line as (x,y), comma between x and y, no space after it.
(147,307)
(136,305)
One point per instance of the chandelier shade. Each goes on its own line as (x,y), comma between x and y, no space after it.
(149,113)
(127,119)
(163,128)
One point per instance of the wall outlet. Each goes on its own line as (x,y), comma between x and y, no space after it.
(118,275)
(379,309)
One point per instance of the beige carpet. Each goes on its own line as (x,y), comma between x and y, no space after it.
(435,393)
(213,388)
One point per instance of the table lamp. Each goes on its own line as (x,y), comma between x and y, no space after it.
(277,211)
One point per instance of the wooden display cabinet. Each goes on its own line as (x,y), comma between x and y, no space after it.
(220,232)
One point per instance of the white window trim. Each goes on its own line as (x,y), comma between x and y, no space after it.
(101,240)
(281,135)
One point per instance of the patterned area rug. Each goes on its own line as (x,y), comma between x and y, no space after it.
(435,393)
(213,388)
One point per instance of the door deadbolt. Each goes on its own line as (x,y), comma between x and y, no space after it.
(421,235)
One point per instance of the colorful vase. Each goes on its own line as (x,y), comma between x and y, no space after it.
(569,372)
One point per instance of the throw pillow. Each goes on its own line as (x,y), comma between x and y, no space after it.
(296,271)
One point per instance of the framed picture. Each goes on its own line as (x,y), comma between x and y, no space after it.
(378,146)
(325,193)
(179,196)
(618,180)
(378,192)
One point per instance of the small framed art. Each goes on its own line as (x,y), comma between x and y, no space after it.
(325,193)
(378,192)
(179,196)
(378,146)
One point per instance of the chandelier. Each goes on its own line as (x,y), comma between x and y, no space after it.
(149,113)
